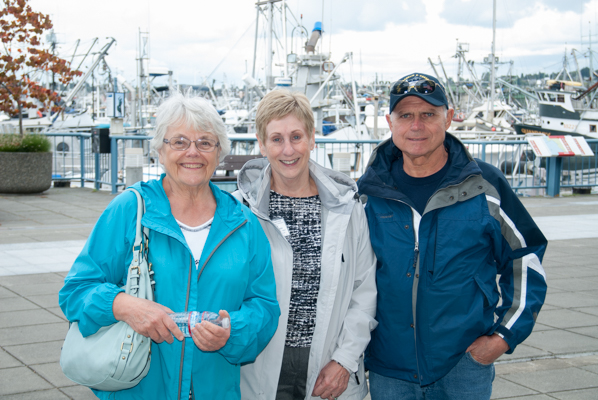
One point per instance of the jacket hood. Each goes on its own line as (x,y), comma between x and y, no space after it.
(336,190)
(377,180)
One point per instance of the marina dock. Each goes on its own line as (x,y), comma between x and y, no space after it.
(40,236)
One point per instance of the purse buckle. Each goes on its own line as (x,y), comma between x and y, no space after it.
(123,344)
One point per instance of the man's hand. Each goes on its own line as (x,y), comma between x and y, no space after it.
(486,349)
(146,317)
(211,337)
(332,381)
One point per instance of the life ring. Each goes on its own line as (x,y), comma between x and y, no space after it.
(328,66)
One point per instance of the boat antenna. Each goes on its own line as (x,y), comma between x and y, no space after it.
(591,56)
(492,72)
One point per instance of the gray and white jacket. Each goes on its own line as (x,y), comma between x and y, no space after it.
(346,304)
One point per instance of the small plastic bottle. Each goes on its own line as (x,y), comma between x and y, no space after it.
(187,320)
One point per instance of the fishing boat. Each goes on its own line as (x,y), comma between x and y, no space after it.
(565,108)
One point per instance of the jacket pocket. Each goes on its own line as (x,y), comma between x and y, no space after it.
(490,292)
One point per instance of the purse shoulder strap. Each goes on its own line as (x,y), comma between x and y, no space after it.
(140,212)
(140,248)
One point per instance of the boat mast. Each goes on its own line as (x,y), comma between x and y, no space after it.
(448,84)
(80,84)
(257,24)
(284,30)
(492,83)
(591,64)
(577,66)
(269,46)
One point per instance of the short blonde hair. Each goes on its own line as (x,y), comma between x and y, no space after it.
(278,104)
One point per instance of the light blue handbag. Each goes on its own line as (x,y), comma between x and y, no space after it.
(115,357)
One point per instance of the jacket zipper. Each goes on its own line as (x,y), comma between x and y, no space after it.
(187,301)
(416,273)
(183,345)
(416,253)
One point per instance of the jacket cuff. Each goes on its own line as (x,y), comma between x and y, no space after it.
(238,341)
(110,296)
(342,359)
(508,337)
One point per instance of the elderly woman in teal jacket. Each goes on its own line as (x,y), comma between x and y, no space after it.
(209,253)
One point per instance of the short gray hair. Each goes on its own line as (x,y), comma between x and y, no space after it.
(192,112)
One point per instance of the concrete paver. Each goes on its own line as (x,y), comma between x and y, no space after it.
(35,317)
(53,374)
(583,394)
(26,335)
(36,353)
(8,361)
(508,390)
(566,319)
(562,342)
(41,234)
(555,380)
(53,394)
(16,304)
(591,331)
(79,393)
(20,380)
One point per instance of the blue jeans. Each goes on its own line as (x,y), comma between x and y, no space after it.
(468,380)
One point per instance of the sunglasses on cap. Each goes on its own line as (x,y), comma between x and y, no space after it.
(422,86)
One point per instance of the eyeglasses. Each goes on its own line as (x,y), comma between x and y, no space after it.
(182,144)
(423,86)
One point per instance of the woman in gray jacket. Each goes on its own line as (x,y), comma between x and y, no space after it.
(323,262)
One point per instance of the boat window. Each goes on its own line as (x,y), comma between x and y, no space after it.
(560,98)
(551,97)
(543,95)
(592,128)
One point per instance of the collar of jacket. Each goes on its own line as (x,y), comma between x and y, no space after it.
(377,181)
(158,215)
(337,191)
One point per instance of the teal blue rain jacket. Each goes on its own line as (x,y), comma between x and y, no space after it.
(237,277)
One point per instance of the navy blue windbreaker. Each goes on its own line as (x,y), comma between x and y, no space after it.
(436,272)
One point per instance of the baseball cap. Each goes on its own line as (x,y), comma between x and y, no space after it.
(424,86)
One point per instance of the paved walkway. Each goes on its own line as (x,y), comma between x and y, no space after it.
(40,235)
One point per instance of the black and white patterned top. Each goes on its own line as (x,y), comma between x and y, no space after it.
(303,217)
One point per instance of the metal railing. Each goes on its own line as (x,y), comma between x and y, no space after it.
(75,161)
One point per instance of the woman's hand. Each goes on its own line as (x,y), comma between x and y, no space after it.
(146,317)
(210,337)
(332,381)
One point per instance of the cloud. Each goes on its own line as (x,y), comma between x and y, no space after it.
(365,16)
(508,12)
(388,38)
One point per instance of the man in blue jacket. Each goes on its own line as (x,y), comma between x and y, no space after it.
(444,227)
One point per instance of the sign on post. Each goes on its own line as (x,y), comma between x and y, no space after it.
(560,146)
(115,105)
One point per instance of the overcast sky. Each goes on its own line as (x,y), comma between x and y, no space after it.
(387,37)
